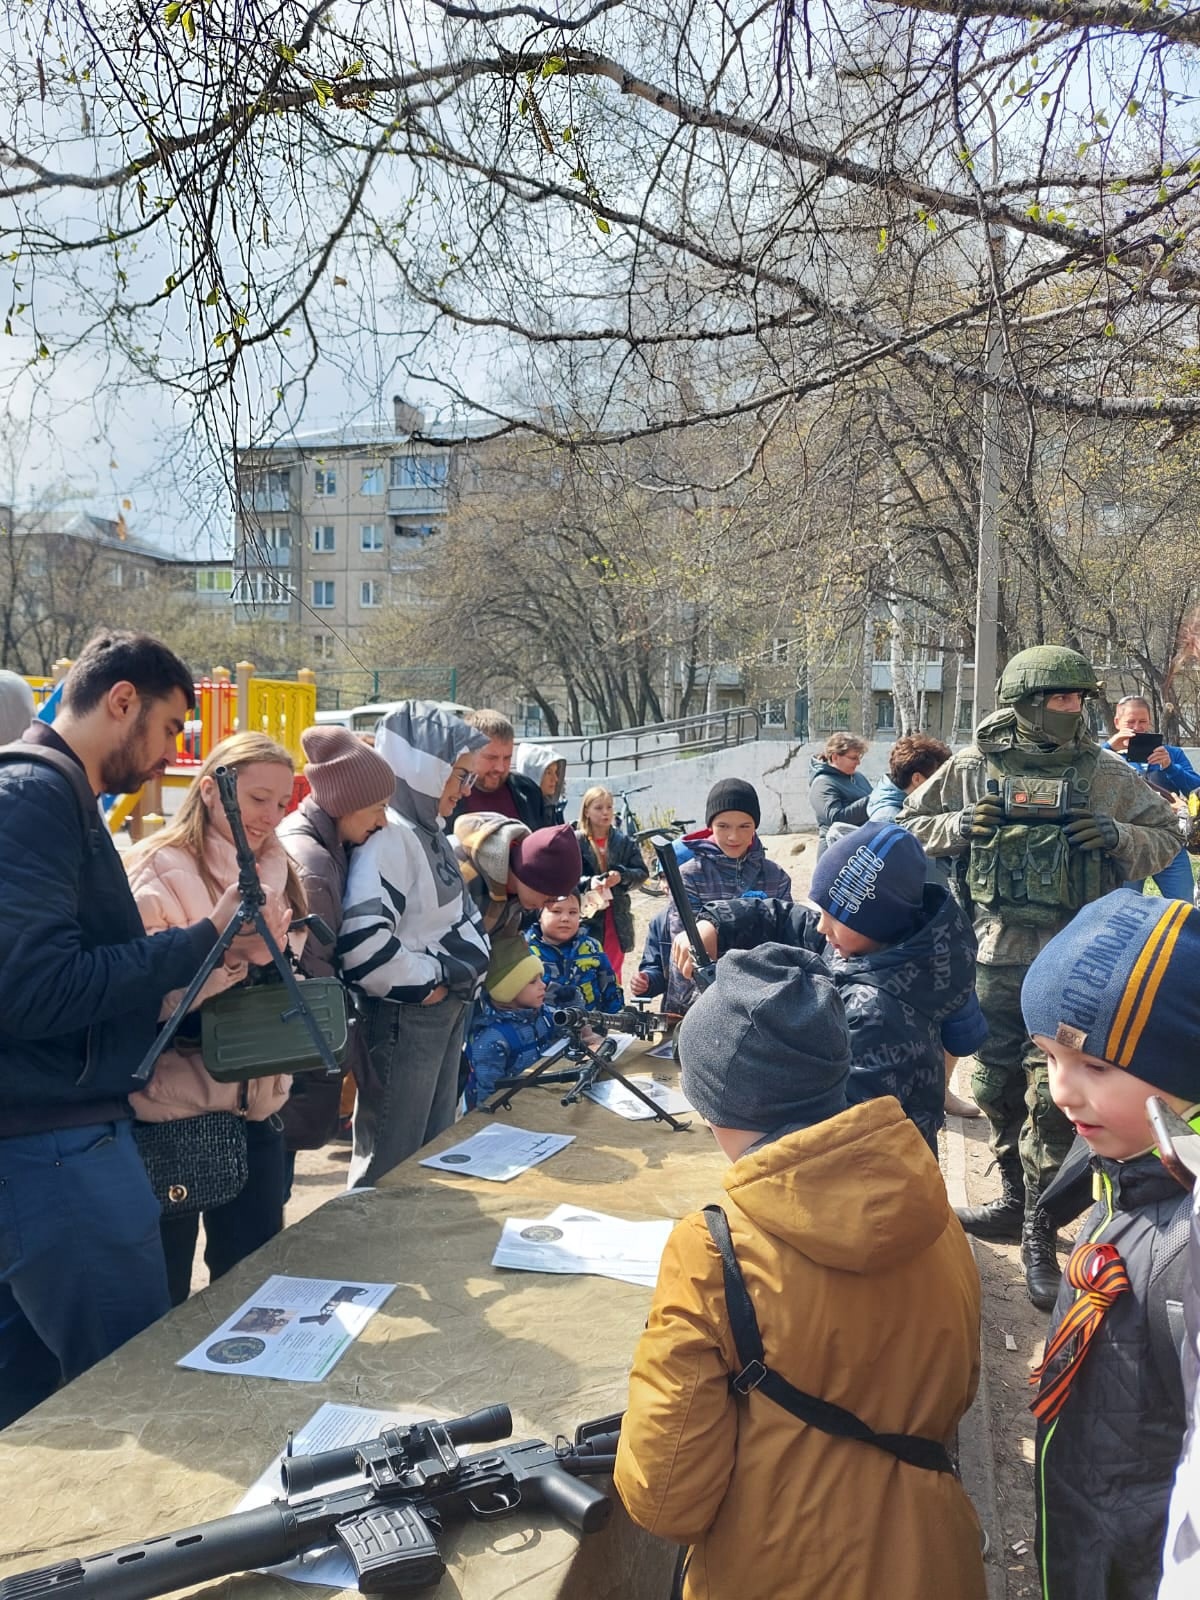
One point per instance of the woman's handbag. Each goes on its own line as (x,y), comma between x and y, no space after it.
(256,1031)
(194,1163)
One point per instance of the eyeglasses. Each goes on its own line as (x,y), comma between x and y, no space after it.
(465,780)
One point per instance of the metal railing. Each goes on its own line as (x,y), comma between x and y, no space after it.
(629,749)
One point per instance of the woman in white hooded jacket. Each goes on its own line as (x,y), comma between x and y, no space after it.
(412,941)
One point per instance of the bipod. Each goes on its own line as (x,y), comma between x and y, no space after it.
(590,1063)
(249,913)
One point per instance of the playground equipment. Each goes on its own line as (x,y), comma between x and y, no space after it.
(225,702)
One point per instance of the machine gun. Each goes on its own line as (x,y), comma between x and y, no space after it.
(705,969)
(413,1480)
(587,1063)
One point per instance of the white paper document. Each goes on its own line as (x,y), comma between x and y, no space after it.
(608,1092)
(293,1328)
(499,1152)
(576,1240)
(663,1052)
(328,1428)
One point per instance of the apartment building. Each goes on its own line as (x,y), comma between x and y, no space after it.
(333,527)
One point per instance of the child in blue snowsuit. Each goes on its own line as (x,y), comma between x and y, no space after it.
(576,970)
(511,1027)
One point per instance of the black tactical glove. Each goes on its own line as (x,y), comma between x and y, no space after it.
(980,821)
(1090,830)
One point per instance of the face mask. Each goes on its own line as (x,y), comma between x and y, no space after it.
(1047,727)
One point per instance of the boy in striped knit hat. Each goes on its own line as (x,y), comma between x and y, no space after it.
(1113,1001)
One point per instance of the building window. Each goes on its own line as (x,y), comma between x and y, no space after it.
(260,589)
(215,581)
(370,592)
(371,535)
(325,481)
(414,530)
(780,652)
(140,577)
(322,541)
(833,716)
(372,480)
(116,574)
(271,491)
(773,713)
(406,589)
(418,472)
(528,719)
(885,713)
(323,593)
(966,715)
(323,646)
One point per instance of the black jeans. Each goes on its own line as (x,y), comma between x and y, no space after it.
(234,1230)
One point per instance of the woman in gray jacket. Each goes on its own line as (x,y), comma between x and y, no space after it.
(837,790)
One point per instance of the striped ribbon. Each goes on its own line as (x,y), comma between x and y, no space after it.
(1098,1273)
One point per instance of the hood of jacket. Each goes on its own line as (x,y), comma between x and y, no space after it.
(999,731)
(885,801)
(531,761)
(933,970)
(796,1188)
(309,834)
(421,742)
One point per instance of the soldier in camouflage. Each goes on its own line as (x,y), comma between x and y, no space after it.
(1040,821)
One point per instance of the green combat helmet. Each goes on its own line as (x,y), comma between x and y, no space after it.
(1046,668)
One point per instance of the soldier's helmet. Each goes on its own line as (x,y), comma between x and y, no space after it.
(1046,668)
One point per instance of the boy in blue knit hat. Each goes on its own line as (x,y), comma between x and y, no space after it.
(1113,1001)
(899,950)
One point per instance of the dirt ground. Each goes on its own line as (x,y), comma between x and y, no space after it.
(1008,1317)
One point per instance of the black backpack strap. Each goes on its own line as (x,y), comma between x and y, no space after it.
(808,1408)
(68,768)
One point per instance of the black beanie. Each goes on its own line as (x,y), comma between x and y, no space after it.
(766,1046)
(732,794)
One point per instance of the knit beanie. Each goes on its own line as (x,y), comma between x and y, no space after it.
(512,966)
(548,861)
(16,706)
(766,1045)
(732,794)
(1119,983)
(343,773)
(873,881)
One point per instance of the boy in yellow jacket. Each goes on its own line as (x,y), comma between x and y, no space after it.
(862,1290)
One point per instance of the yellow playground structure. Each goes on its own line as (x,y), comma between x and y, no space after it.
(225,702)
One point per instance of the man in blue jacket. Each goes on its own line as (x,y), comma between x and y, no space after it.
(1169,769)
(81,987)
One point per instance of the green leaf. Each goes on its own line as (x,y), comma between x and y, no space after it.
(219,339)
(552,65)
(212,297)
(43,352)
(1132,109)
(1110,329)
(883,238)
(602,224)
(567,135)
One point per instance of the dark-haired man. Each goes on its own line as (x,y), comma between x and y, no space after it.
(81,987)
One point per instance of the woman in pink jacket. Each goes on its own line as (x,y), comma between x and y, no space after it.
(177,877)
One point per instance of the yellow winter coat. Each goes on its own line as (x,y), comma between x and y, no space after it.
(867,1296)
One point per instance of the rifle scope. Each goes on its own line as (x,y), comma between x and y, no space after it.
(303,1473)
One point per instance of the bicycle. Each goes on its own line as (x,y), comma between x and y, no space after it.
(630,824)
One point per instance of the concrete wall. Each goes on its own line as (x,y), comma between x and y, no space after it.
(777,769)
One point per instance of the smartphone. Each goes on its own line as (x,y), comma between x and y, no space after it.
(1142,746)
(1178,1144)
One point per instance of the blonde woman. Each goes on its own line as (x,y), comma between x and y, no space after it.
(177,877)
(612,861)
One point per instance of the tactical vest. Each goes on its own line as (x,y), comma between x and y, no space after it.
(1027,873)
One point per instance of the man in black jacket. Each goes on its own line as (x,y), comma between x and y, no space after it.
(497,787)
(81,987)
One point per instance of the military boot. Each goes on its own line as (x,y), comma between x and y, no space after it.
(999,1219)
(1039,1257)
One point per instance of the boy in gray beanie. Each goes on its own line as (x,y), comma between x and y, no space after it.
(836,1225)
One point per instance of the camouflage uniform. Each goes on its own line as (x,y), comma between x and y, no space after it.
(1010,1082)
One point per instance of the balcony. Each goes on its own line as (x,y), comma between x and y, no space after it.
(417,500)
(925,676)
